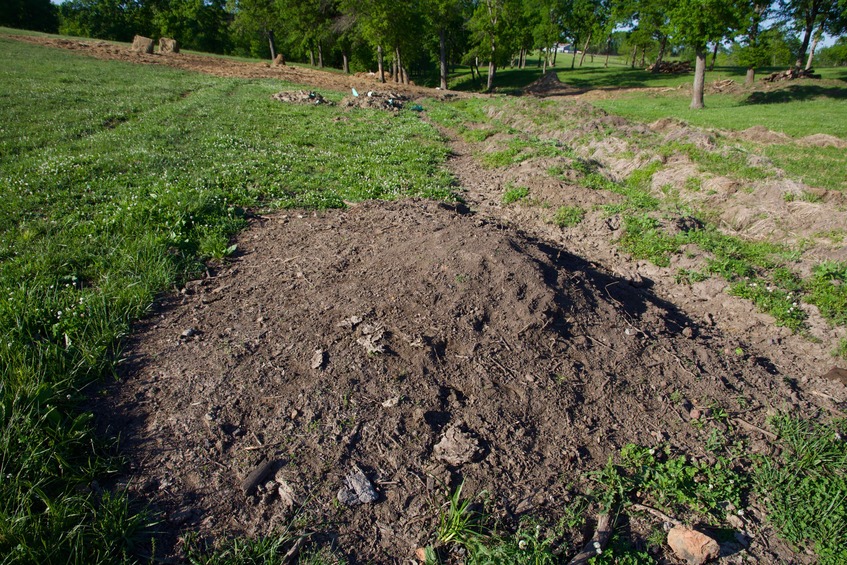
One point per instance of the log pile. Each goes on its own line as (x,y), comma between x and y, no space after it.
(791,74)
(672,67)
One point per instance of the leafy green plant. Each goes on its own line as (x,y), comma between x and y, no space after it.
(783,306)
(644,238)
(828,290)
(568,216)
(459,523)
(515,193)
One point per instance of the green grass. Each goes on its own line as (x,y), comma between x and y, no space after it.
(116,182)
(827,289)
(805,488)
(568,216)
(514,194)
(823,167)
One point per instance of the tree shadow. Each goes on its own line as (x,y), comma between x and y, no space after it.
(796,93)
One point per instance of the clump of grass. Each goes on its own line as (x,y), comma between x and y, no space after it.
(805,488)
(841,348)
(804,196)
(827,289)
(644,238)
(783,306)
(514,194)
(568,216)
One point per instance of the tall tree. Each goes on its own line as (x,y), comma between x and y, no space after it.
(447,18)
(696,23)
(492,32)
(754,52)
(258,17)
(37,15)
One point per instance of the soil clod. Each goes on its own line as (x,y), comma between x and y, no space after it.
(357,489)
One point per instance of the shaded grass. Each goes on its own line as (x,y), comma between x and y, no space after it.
(108,196)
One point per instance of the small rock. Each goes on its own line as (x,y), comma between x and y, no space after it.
(420,554)
(391,402)
(287,495)
(190,332)
(318,359)
(357,489)
(695,414)
(688,332)
(735,521)
(457,447)
(694,547)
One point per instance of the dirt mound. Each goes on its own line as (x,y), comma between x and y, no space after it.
(822,140)
(415,347)
(761,134)
(549,85)
(391,101)
(301,97)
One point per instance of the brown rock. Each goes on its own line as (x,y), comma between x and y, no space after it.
(420,553)
(141,44)
(457,447)
(168,45)
(694,547)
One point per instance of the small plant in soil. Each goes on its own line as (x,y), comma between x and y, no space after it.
(568,216)
(514,194)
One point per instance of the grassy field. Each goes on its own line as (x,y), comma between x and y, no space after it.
(116,182)
(119,181)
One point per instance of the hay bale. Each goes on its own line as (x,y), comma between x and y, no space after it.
(168,45)
(279,61)
(141,44)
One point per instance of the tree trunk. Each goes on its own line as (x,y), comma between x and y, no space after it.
(442,52)
(813,46)
(320,56)
(811,16)
(608,52)
(714,56)
(523,58)
(661,56)
(584,49)
(270,34)
(699,78)
(643,57)
(750,77)
(634,53)
(573,59)
(379,62)
(311,57)
(492,69)
(345,63)
(555,52)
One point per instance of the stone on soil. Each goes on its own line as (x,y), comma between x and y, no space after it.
(694,547)
(457,447)
(357,489)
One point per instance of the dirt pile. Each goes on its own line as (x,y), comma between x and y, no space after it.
(549,85)
(391,101)
(405,347)
(301,97)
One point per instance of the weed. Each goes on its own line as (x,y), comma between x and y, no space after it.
(568,216)
(841,348)
(783,306)
(689,276)
(514,193)
(643,238)
(828,291)
(804,196)
(805,489)
(459,523)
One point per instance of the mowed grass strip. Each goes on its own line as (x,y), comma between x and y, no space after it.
(116,182)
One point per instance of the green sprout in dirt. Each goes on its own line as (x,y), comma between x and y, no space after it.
(568,216)
(514,194)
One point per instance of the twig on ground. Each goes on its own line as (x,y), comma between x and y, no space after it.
(657,513)
(753,428)
(596,544)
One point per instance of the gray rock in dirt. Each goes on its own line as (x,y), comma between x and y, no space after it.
(190,332)
(457,447)
(318,359)
(287,494)
(357,489)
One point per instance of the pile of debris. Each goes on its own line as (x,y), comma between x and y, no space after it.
(791,74)
(379,100)
(548,85)
(725,85)
(301,97)
(672,67)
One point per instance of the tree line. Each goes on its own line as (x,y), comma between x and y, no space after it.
(403,39)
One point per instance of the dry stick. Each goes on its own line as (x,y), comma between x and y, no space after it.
(657,513)
(753,428)
(595,546)
(292,553)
